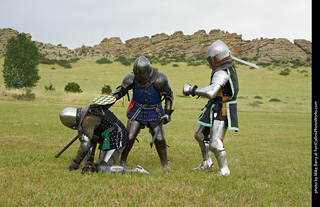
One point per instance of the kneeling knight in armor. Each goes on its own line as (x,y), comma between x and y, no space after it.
(150,87)
(220,111)
(97,124)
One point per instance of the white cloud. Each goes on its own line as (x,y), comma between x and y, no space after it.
(77,22)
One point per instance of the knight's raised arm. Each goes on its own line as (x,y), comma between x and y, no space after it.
(126,85)
(219,79)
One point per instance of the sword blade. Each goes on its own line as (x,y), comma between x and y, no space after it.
(155,136)
(245,62)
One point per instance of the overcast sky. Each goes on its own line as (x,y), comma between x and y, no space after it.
(74,23)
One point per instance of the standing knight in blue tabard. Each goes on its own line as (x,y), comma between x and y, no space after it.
(149,87)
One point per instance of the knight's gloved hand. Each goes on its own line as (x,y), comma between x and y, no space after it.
(107,106)
(189,90)
(73,166)
(88,168)
(165,119)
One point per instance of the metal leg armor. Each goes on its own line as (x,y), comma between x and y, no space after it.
(89,159)
(218,132)
(108,159)
(205,151)
(161,146)
(133,129)
(103,167)
(82,152)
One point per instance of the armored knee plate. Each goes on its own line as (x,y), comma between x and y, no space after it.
(205,152)
(85,143)
(218,132)
(198,135)
(216,145)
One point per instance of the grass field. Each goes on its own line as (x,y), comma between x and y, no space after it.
(269,158)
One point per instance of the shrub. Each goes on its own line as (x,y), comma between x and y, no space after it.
(104,61)
(49,88)
(106,89)
(285,72)
(124,61)
(274,100)
(73,88)
(63,63)
(194,63)
(264,64)
(28,96)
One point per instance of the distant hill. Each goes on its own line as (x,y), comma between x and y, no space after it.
(261,50)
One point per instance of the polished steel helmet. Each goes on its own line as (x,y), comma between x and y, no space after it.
(68,117)
(142,69)
(217,53)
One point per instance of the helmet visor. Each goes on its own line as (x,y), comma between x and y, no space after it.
(211,62)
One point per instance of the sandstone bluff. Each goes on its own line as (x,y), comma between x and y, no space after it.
(257,50)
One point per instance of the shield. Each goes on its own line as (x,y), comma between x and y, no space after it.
(104,100)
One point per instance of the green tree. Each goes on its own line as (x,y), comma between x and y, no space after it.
(21,57)
(16,82)
(73,88)
(106,89)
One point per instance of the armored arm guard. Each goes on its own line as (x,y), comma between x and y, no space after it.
(162,86)
(126,85)
(219,79)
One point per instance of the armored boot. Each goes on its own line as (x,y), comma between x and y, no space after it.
(221,157)
(206,156)
(162,152)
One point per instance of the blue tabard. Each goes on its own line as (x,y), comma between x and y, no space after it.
(145,105)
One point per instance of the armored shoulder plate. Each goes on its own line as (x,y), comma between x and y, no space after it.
(161,84)
(128,80)
(126,85)
(220,77)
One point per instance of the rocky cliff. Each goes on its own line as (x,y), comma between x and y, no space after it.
(258,50)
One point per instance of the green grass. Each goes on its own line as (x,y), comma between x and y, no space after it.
(269,158)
